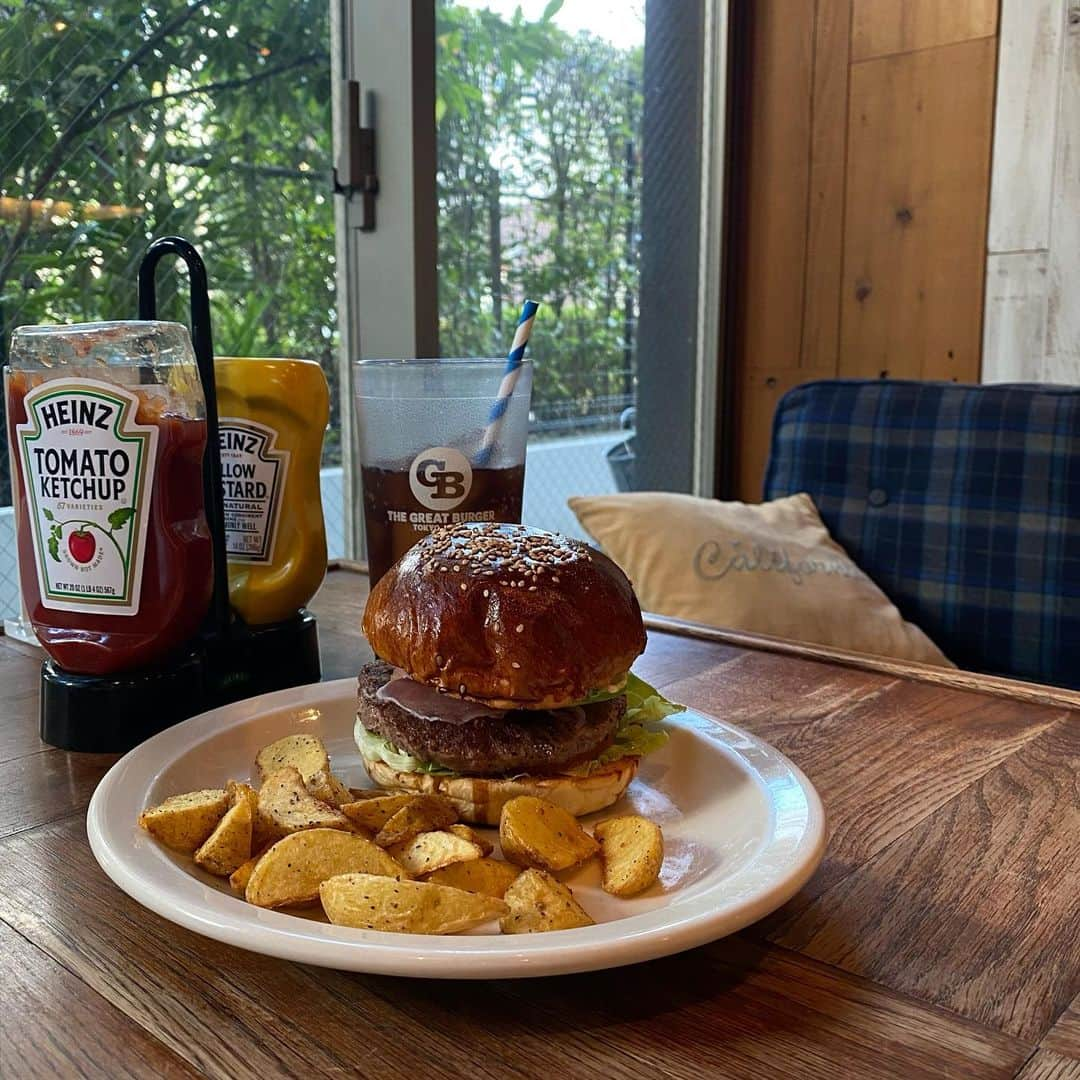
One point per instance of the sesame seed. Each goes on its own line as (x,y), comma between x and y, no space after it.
(514,664)
(520,627)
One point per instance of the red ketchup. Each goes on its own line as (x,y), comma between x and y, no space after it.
(115,558)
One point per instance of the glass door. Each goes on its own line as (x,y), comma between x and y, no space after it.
(570,152)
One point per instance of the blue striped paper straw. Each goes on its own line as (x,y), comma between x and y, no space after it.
(509,381)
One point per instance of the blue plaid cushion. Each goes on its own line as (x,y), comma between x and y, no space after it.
(961,502)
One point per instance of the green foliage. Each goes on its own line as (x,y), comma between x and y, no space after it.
(538,185)
(121,516)
(207,120)
(212,120)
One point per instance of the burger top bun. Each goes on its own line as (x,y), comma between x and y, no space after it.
(511,616)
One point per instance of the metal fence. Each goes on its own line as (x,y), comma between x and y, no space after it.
(600,413)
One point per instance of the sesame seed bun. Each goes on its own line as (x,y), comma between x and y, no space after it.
(508,615)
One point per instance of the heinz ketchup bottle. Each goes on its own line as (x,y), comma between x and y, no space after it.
(107,428)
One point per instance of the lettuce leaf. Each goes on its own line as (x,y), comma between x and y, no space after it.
(376,747)
(645,704)
(639,733)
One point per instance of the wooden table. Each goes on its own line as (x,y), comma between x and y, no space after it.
(940,937)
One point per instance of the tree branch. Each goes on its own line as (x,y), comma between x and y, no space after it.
(78,124)
(191,158)
(211,88)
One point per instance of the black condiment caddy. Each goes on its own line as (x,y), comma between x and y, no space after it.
(227,660)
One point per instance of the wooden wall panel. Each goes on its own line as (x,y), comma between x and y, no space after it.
(1063,309)
(886,27)
(773,263)
(1024,124)
(825,211)
(763,388)
(773,260)
(919,131)
(864,235)
(1014,332)
(1032,326)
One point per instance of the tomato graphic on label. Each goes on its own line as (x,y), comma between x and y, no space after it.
(82,546)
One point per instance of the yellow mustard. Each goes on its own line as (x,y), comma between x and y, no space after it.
(272,416)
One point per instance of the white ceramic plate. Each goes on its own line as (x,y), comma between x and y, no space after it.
(743,831)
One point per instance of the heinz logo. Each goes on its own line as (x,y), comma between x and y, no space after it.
(242,442)
(80,411)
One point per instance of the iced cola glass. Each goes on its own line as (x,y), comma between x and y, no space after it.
(421,425)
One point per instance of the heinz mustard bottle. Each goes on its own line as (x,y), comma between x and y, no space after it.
(273,414)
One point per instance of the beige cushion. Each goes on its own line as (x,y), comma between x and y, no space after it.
(772,569)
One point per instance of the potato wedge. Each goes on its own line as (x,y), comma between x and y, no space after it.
(324,785)
(406,907)
(359,793)
(491,877)
(467,832)
(286,807)
(534,832)
(237,790)
(538,902)
(183,822)
(367,834)
(424,813)
(290,873)
(229,845)
(305,753)
(432,850)
(632,851)
(263,830)
(239,878)
(375,812)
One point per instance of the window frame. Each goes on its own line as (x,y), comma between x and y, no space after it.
(387,284)
(387,279)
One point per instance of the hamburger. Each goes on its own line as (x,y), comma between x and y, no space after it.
(503,658)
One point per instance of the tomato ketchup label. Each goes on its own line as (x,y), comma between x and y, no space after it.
(88,468)
(253,478)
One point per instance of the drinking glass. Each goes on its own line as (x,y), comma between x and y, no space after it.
(421,425)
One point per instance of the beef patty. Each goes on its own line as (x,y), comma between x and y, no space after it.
(519,741)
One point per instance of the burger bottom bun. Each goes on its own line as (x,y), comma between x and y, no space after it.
(480,800)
